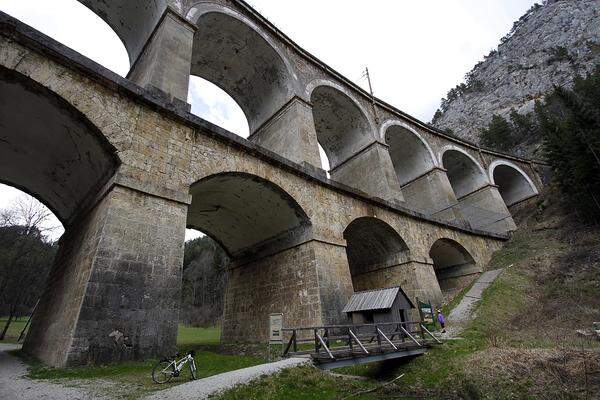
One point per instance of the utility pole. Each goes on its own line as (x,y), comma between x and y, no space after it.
(372,96)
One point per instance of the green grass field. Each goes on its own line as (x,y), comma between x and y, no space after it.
(14,330)
(192,336)
(134,378)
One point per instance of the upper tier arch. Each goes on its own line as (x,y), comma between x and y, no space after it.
(233,53)
(513,183)
(411,154)
(343,127)
(464,172)
(132,20)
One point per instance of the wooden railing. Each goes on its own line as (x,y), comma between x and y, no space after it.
(349,339)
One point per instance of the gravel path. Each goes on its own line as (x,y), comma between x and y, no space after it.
(15,386)
(203,388)
(463,312)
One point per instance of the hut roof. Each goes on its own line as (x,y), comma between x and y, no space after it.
(379,299)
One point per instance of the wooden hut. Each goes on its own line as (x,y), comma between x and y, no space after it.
(378,306)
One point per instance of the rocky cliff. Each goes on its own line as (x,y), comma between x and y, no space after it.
(547,46)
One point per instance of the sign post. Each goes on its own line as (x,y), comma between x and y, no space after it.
(426,312)
(275,330)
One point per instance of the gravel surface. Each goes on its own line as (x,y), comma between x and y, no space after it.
(463,312)
(15,386)
(203,388)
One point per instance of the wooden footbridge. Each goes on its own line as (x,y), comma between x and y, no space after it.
(337,346)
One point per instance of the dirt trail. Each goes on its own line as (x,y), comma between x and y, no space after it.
(463,312)
(15,385)
(207,387)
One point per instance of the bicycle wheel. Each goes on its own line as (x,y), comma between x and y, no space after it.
(193,370)
(163,371)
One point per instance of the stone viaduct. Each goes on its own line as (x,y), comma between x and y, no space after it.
(126,168)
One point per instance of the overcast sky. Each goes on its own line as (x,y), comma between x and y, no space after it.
(415,50)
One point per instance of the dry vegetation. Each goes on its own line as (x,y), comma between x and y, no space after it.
(530,318)
(523,343)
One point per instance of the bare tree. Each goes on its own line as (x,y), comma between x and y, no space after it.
(28,213)
(25,254)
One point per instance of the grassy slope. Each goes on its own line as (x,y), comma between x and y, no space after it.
(522,343)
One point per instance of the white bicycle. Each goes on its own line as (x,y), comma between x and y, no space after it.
(167,368)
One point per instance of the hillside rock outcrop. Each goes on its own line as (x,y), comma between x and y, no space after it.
(547,47)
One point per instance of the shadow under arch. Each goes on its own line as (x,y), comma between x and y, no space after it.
(464,173)
(342,126)
(50,149)
(231,52)
(454,266)
(411,154)
(247,215)
(372,246)
(513,183)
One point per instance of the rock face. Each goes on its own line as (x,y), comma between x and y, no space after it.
(547,46)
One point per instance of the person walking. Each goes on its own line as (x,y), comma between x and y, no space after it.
(441,320)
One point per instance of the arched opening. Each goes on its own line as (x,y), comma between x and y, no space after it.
(52,152)
(410,155)
(214,105)
(453,265)
(82,28)
(373,247)
(50,149)
(478,202)
(243,212)
(424,188)
(342,128)
(464,174)
(235,57)
(514,186)
(133,20)
(263,233)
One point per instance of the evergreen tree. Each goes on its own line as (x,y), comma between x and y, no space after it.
(498,135)
(569,122)
(204,282)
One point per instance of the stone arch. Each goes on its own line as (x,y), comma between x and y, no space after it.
(373,245)
(132,20)
(233,53)
(464,172)
(50,149)
(411,154)
(454,266)
(343,127)
(513,183)
(246,214)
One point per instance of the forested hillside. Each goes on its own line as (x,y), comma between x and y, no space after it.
(204,282)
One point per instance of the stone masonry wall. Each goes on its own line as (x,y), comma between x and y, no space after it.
(131,305)
(286,283)
(52,328)
(335,282)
